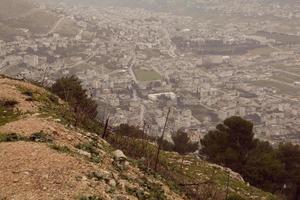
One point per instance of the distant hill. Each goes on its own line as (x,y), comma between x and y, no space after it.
(14,8)
(16,15)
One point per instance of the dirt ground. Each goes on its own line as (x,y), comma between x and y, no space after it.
(9,91)
(35,171)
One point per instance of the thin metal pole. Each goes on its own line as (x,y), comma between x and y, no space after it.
(105,128)
(160,140)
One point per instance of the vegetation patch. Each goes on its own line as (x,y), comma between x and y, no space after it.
(92,149)
(280,87)
(149,191)
(8,104)
(82,110)
(204,179)
(11,137)
(41,137)
(35,137)
(295,69)
(7,115)
(61,148)
(28,93)
(49,105)
(146,75)
(285,77)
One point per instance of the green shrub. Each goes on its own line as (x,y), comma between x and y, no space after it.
(11,137)
(87,146)
(35,137)
(7,115)
(62,149)
(40,137)
(90,147)
(95,158)
(149,191)
(53,98)
(28,93)
(8,103)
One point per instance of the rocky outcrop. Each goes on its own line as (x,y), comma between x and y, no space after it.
(120,160)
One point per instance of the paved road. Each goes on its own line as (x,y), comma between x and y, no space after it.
(287,72)
(131,70)
(285,83)
(55,26)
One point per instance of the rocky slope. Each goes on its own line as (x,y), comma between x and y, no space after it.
(42,156)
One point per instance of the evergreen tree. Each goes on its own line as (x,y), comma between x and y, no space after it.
(182,143)
(262,167)
(289,155)
(70,90)
(230,143)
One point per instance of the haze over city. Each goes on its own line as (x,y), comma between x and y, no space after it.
(204,60)
(211,59)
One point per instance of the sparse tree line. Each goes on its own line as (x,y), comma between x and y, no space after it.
(231,144)
(180,140)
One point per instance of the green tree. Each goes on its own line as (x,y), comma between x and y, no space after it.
(166,145)
(130,131)
(289,155)
(262,167)
(70,90)
(230,143)
(182,144)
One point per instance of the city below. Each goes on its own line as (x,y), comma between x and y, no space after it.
(206,60)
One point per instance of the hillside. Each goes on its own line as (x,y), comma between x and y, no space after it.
(19,16)
(42,156)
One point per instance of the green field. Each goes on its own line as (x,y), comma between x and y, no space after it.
(285,77)
(146,75)
(280,87)
(200,112)
(264,51)
(292,69)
